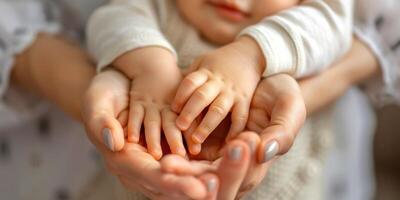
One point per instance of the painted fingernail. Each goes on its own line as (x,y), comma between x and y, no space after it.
(107,139)
(211,185)
(271,149)
(235,153)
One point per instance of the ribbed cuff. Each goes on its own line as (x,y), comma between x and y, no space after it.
(277,46)
(114,47)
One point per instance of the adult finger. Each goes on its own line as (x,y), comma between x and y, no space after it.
(212,184)
(259,117)
(232,169)
(181,166)
(134,164)
(256,171)
(287,117)
(106,130)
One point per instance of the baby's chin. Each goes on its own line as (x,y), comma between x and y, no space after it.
(219,35)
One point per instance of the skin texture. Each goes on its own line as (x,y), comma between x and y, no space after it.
(281,123)
(226,26)
(153,85)
(224,80)
(73,70)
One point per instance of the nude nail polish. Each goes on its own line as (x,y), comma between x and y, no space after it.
(107,139)
(211,185)
(271,149)
(235,153)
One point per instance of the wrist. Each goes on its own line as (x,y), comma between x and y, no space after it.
(251,50)
(146,61)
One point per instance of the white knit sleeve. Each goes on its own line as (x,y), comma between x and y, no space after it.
(305,39)
(121,26)
(377,26)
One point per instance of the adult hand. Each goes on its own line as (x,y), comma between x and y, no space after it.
(105,106)
(277,113)
(237,169)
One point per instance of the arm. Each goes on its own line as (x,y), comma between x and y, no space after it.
(357,66)
(56,69)
(306,38)
(126,34)
(61,71)
(111,29)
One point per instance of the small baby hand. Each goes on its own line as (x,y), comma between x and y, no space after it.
(223,80)
(154,82)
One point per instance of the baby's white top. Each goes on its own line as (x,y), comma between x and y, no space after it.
(298,41)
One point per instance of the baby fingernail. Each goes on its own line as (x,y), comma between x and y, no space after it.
(195,149)
(235,153)
(271,149)
(181,124)
(182,152)
(211,185)
(107,139)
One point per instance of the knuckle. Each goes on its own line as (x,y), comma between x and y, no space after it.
(218,109)
(204,129)
(152,122)
(201,95)
(190,81)
(170,128)
(240,118)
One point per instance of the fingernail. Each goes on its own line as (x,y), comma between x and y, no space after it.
(181,152)
(195,149)
(235,153)
(211,185)
(107,138)
(133,138)
(271,149)
(181,124)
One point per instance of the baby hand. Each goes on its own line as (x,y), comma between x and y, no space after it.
(154,82)
(223,80)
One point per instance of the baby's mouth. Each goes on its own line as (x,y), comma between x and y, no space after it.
(230,12)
